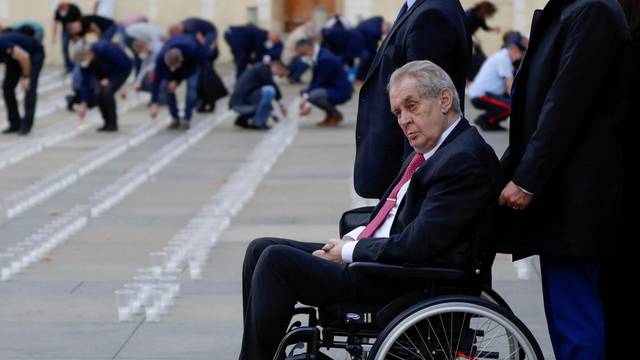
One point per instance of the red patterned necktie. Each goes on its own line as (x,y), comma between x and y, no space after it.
(390,202)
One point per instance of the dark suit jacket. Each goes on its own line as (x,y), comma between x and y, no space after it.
(565,141)
(250,82)
(430,30)
(328,73)
(371,30)
(247,43)
(435,223)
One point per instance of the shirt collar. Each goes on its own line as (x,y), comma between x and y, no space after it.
(410,3)
(442,138)
(316,53)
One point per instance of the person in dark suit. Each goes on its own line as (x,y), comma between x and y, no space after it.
(425,30)
(250,44)
(372,30)
(255,91)
(329,84)
(23,57)
(427,218)
(563,169)
(104,28)
(210,85)
(106,65)
(65,14)
(182,58)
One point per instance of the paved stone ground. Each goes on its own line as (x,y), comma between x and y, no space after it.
(63,307)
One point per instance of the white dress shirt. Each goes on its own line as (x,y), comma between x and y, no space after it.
(410,3)
(385,228)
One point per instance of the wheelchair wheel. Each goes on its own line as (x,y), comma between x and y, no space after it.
(492,296)
(456,328)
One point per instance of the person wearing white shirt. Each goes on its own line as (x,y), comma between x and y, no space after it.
(492,85)
(440,194)
(104,8)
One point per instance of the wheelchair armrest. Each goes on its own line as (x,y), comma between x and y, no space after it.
(354,218)
(378,269)
(310,312)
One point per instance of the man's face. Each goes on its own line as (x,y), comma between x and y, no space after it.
(421,119)
(279,71)
(74,28)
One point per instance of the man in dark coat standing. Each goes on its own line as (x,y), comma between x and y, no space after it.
(424,30)
(563,168)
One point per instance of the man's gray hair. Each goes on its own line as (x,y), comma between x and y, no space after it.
(431,80)
(78,50)
(173,57)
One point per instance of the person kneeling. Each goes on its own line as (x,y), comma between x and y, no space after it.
(255,91)
(426,218)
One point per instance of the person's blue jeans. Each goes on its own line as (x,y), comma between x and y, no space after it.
(68,64)
(264,108)
(190,101)
(573,307)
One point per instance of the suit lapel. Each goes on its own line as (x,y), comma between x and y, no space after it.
(394,28)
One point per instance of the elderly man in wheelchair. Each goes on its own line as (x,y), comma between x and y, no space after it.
(405,281)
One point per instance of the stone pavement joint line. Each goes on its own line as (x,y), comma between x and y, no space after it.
(61,229)
(45,188)
(154,293)
(59,133)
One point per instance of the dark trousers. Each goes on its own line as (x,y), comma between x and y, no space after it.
(497,108)
(68,64)
(106,100)
(320,98)
(297,68)
(11,78)
(278,273)
(573,307)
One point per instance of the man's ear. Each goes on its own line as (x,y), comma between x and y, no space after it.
(446,100)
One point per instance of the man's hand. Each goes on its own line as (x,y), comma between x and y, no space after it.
(512,196)
(200,38)
(153,110)
(173,85)
(104,82)
(331,251)
(24,83)
(137,86)
(305,109)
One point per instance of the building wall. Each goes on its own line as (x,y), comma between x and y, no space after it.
(267,13)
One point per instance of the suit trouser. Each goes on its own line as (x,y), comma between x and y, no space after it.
(278,273)
(320,98)
(106,100)
(11,79)
(573,307)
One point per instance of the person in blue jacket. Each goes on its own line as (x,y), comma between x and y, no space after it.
(23,57)
(372,30)
(250,44)
(329,84)
(106,65)
(204,30)
(182,58)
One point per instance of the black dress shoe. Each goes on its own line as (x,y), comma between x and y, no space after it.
(108,129)
(242,122)
(185,125)
(259,127)
(24,132)
(71,101)
(175,124)
(10,130)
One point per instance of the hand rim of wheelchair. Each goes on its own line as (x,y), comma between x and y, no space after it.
(445,304)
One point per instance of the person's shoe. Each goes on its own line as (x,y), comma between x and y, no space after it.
(24,132)
(185,125)
(242,122)
(485,126)
(10,130)
(259,127)
(331,121)
(175,124)
(108,129)
(71,101)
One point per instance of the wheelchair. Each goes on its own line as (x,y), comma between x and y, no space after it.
(453,316)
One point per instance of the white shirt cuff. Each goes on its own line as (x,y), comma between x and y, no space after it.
(347,251)
(350,244)
(525,191)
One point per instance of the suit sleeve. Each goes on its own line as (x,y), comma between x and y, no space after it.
(431,37)
(451,205)
(592,44)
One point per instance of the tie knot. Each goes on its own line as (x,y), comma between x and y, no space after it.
(415,163)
